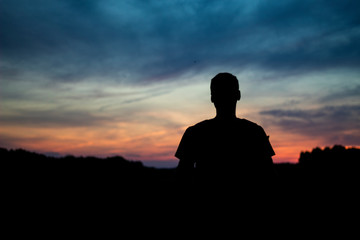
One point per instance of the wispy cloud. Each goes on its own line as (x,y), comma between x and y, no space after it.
(344,93)
(339,124)
(53,118)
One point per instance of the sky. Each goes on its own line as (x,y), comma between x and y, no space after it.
(105,78)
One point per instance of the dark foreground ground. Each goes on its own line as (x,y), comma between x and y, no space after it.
(59,196)
(32,181)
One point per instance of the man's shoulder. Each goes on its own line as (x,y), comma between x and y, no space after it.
(249,127)
(248,123)
(201,125)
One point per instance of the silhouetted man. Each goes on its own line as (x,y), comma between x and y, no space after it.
(225,150)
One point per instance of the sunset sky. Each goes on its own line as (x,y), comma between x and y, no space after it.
(117,77)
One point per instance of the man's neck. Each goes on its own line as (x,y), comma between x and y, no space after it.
(226,116)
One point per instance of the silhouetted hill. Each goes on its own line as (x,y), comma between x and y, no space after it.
(26,171)
(70,192)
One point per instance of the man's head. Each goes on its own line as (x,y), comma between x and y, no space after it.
(224,89)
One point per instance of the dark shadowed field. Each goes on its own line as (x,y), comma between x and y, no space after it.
(324,180)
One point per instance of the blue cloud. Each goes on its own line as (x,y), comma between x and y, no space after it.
(140,41)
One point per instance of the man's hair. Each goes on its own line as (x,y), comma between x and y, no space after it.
(224,83)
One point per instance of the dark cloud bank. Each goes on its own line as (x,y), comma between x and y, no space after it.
(144,41)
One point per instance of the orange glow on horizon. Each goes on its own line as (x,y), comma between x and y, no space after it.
(139,144)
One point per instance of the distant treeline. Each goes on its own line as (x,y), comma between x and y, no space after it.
(336,164)
(335,156)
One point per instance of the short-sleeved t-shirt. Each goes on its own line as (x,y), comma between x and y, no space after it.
(236,145)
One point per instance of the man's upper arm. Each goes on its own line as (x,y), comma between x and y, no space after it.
(185,150)
(267,148)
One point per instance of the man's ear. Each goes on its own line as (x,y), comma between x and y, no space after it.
(238,95)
